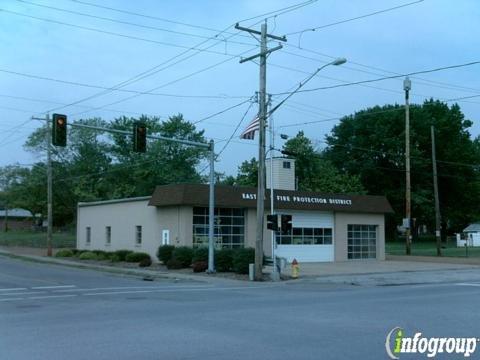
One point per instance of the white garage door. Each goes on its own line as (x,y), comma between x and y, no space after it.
(311,239)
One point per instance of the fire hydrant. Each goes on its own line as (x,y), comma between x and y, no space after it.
(295,269)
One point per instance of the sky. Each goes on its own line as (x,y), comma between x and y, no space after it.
(55,53)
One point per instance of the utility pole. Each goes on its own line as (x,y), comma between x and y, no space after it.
(49,187)
(407,85)
(435,191)
(262,114)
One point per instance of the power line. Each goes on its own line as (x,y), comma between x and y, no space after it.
(280,11)
(422,81)
(221,111)
(76,83)
(165,84)
(361,114)
(131,37)
(227,141)
(385,78)
(455,86)
(355,18)
(130,23)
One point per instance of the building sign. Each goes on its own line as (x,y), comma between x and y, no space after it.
(302,199)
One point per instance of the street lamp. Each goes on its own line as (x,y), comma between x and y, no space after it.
(336,62)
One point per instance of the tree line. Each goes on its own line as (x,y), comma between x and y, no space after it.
(363,153)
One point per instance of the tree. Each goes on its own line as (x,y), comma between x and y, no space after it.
(97,166)
(315,172)
(371,145)
(248,173)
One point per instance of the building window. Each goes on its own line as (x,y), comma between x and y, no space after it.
(286,164)
(108,235)
(229,229)
(306,236)
(362,241)
(88,238)
(138,235)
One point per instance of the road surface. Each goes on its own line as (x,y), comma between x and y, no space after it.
(54,312)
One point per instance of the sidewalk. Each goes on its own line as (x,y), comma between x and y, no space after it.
(398,270)
(404,271)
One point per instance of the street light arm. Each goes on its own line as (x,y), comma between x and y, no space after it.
(336,62)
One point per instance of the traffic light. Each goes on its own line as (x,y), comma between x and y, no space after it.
(272,222)
(59,130)
(139,137)
(286,222)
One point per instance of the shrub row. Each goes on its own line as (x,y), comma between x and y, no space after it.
(236,260)
(116,256)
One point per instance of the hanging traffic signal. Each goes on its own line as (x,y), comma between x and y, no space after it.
(272,222)
(139,137)
(286,224)
(59,130)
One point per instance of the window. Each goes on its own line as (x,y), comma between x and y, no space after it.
(138,235)
(362,241)
(306,236)
(229,229)
(286,164)
(88,238)
(108,235)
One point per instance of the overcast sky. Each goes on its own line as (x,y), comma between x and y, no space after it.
(424,35)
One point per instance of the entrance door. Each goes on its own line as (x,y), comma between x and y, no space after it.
(166,237)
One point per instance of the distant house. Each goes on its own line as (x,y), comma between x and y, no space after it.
(470,235)
(16,219)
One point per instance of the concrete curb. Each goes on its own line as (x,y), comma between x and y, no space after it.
(129,272)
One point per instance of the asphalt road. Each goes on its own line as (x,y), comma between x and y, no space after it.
(53,312)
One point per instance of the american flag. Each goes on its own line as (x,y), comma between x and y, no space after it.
(249,132)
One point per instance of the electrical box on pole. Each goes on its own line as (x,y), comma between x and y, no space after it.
(139,137)
(59,130)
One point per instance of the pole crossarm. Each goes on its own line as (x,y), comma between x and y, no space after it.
(280,38)
(261,54)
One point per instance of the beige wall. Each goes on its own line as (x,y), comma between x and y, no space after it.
(123,217)
(342,220)
(179,221)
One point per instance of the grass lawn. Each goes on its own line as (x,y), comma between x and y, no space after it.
(429,248)
(37,239)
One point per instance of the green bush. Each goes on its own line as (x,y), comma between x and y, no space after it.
(242,258)
(200,266)
(122,254)
(114,258)
(183,255)
(224,260)
(77,253)
(174,264)
(64,253)
(146,262)
(164,253)
(137,257)
(102,255)
(200,254)
(88,255)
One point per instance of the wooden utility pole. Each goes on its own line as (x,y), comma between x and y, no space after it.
(437,200)
(262,115)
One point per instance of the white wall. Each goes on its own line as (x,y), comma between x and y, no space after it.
(123,217)
(283,179)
